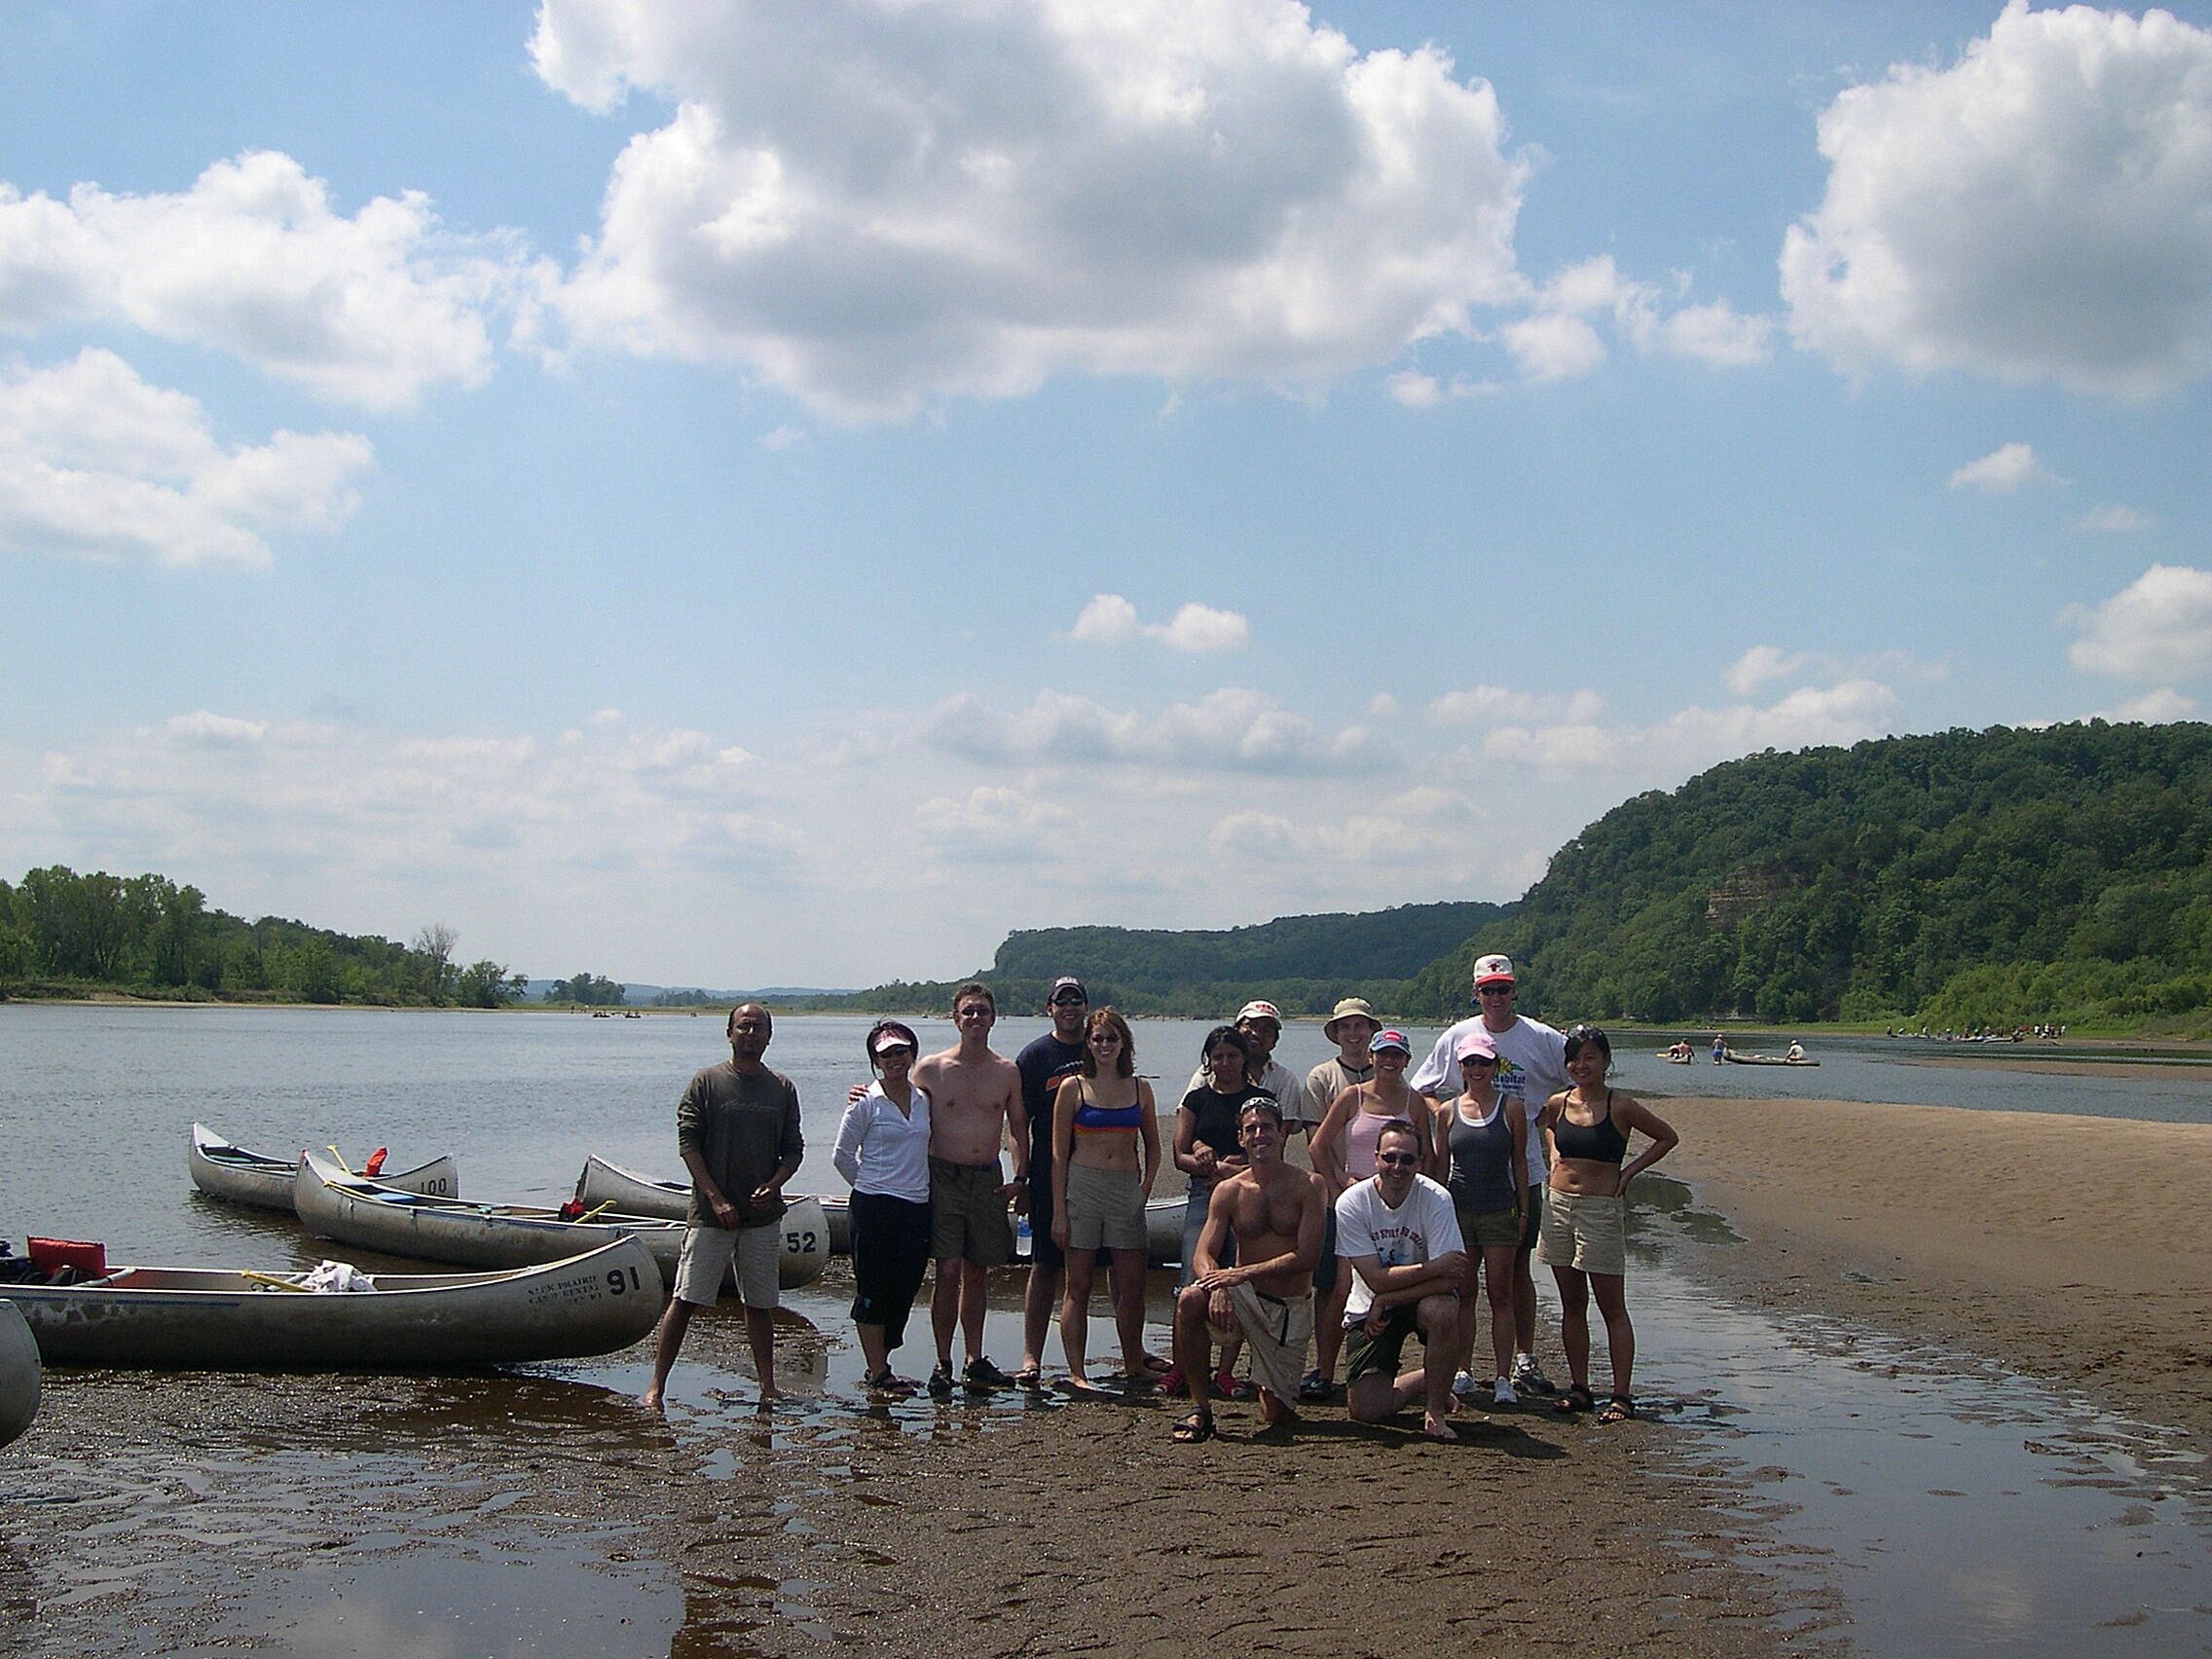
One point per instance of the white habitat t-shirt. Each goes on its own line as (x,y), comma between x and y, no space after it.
(1420,1230)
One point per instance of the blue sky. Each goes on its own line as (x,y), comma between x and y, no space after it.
(747,495)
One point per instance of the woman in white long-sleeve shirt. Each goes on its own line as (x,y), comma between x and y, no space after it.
(883,1149)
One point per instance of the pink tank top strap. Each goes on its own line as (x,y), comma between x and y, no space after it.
(1360,1136)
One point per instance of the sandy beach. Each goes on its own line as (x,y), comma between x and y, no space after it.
(2078,1248)
(1082,1529)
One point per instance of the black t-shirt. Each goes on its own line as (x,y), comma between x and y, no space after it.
(1042,1064)
(1217,1117)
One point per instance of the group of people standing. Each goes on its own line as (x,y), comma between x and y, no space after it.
(1330,1217)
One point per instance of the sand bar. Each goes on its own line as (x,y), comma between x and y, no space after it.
(2078,1248)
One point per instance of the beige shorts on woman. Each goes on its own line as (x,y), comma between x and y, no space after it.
(1105,1207)
(1584,1231)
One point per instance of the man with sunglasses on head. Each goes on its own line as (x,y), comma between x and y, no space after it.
(1043,1063)
(1531,1067)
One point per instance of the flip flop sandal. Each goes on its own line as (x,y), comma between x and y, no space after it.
(1577,1398)
(1198,1426)
(1619,1409)
(1030,1378)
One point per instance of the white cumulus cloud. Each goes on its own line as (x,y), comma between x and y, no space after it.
(2039,210)
(2154,708)
(2158,627)
(2003,469)
(1695,737)
(2113,519)
(1496,705)
(1232,728)
(1109,620)
(96,463)
(253,260)
(871,202)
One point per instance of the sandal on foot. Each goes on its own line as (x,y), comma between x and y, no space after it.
(1198,1426)
(1577,1398)
(1619,1409)
(1029,1377)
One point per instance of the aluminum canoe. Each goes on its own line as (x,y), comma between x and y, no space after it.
(225,1171)
(20,1377)
(604,1182)
(597,1302)
(371,1216)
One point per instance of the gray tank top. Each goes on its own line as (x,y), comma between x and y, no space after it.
(1480,1178)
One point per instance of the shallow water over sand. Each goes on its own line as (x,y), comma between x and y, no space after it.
(1912,1502)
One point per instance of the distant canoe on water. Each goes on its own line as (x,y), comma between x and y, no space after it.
(598,1302)
(371,1216)
(1736,1059)
(19,1375)
(224,1170)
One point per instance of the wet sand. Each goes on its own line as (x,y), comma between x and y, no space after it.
(2078,1248)
(146,1513)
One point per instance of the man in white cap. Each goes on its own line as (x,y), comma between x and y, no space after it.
(1260,1026)
(1350,1027)
(1532,1066)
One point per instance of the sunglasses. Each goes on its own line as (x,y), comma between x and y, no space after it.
(895,1051)
(1071,1002)
(1495,991)
(1397,1160)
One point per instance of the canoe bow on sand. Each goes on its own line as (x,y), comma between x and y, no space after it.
(19,1374)
(370,1216)
(194,1318)
(224,1170)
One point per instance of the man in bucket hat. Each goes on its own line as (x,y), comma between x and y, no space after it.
(1532,1066)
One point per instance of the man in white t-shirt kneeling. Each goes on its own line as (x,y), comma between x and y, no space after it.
(1400,1236)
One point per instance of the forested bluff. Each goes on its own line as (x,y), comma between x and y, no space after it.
(1964,878)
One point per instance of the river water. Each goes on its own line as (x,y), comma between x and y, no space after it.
(1939,1508)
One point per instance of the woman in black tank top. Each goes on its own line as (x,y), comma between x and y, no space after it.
(1588,1129)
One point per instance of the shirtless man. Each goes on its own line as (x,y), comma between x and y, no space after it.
(974,1106)
(1275,1213)
(1400,1236)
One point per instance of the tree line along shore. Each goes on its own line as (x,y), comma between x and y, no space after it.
(1961,880)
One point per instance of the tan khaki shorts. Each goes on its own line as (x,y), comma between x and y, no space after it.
(705,1264)
(1584,1231)
(967,1219)
(1105,1207)
(1276,1335)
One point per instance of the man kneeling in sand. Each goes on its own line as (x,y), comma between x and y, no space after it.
(1274,1213)
(1400,1236)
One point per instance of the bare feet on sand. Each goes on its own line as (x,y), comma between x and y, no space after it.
(1436,1428)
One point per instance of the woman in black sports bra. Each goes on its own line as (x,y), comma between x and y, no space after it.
(1583,1234)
